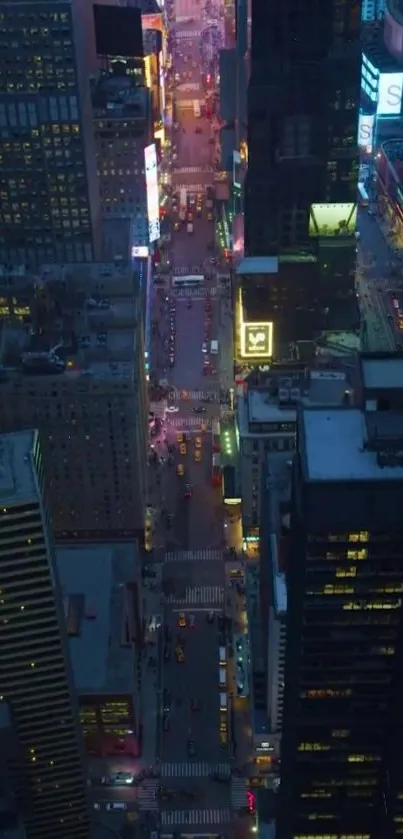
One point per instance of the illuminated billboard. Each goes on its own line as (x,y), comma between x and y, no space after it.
(256,340)
(139,252)
(153,208)
(332,219)
(390,91)
(366,126)
(152,22)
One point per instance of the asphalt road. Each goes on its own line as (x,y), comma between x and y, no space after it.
(194,586)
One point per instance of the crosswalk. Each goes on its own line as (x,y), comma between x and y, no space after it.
(186,270)
(196,395)
(147,794)
(195,293)
(194,423)
(238,793)
(183,35)
(190,170)
(201,555)
(194,770)
(189,187)
(198,596)
(211,815)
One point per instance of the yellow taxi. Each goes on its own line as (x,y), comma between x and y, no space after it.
(203,427)
(177,227)
(198,443)
(180,655)
(198,456)
(182,620)
(182,448)
(209,216)
(179,437)
(180,469)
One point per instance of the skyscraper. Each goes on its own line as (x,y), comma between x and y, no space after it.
(341,773)
(49,191)
(35,677)
(301,184)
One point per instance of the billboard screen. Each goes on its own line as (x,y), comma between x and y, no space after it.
(256,340)
(152,22)
(390,94)
(153,208)
(366,125)
(332,219)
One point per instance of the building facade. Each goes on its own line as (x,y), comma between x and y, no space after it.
(301,183)
(341,771)
(75,367)
(49,191)
(35,675)
(123,128)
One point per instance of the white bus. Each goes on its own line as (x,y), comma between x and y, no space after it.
(196,108)
(188,281)
(363,197)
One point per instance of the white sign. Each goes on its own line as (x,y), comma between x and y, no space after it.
(390,92)
(140,252)
(153,205)
(366,125)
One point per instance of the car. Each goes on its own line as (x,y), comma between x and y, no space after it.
(198,443)
(197,456)
(167,699)
(177,227)
(182,448)
(199,409)
(116,805)
(172,409)
(188,491)
(194,704)
(189,218)
(179,437)
(179,654)
(204,347)
(192,622)
(180,470)
(181,622)
(191,748)
(172,362)
(210,617)
(203,428)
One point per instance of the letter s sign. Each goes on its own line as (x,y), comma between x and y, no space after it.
(365,132)
(390,94)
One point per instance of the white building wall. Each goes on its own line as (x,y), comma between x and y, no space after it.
(275,670)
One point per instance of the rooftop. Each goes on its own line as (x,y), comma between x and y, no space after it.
(94,582)
(115,96)
(382,373)
(70,319)
(337,446)
(258,265)
(277,401)
(17,477)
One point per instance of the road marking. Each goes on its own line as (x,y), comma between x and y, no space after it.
(198,596)
(238,793)
(201,555)
(212,815)
(188,769)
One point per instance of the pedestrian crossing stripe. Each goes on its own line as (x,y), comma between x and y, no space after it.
(190,187)
(196,396)
(194,770)
(184,423)
(202,555)
(238,793)
(147,794)
(184,35)
(188,170)
(211,815)
(186,270)
(200,293)
(198,596)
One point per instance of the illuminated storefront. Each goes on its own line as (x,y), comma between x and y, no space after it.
(255,338)
(332,220)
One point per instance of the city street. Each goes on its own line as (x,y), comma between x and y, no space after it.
(196,775)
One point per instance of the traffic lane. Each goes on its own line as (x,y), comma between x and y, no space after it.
(180,528)
(195,678)
(205,526)
(193,250)
(189,341)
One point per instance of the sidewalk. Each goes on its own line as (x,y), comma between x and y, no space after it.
(151,671)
